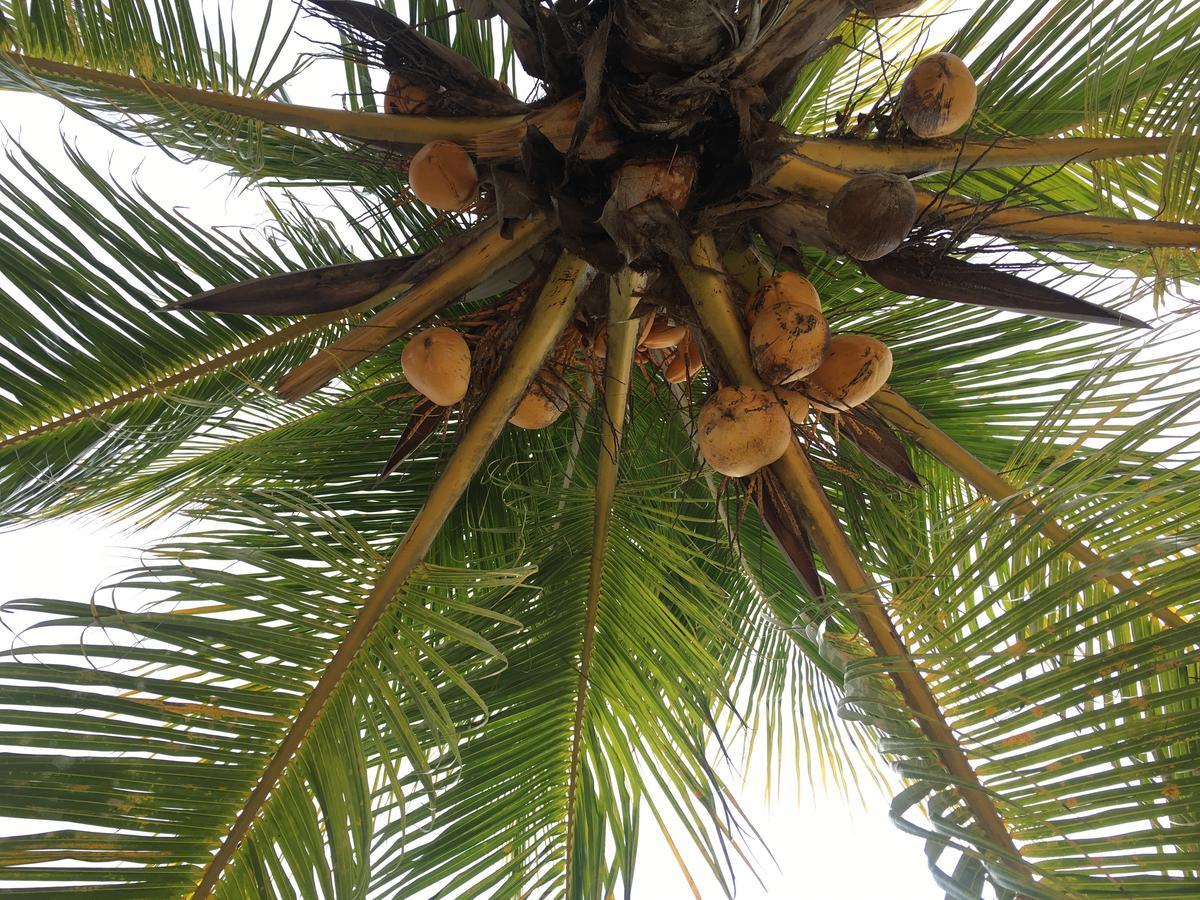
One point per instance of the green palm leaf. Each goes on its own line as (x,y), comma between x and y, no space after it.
(219,666)
(583,633)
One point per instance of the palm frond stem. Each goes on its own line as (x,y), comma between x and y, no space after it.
(624,291)
(958,155)
(551,313)
(155,387)
(707,284)
(907,417)
(489,252)
(365,126)
(798,175)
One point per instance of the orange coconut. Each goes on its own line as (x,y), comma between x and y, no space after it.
(685,363)
(938,96)
(405,98)
(785,287)
(543,403)
(788,341)
(443,176)
(437,362)
(856,367)
(739,430)
(664,335)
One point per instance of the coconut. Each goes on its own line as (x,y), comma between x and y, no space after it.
(442,175)
(788,341)
(405,98)
(740,430)
(437,362)
(855,369)
(664,335)
(600,340)
(938,96)
(685,363)
(600,335)
(871,215)
(795,404)
(543,403)
(786,287)
(644,329)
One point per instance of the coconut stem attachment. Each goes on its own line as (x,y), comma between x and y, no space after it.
(798,175)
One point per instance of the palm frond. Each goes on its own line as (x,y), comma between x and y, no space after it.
(997,598)
(153,723)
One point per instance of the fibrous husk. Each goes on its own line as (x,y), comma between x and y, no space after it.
(642,210)
(543,403)
(739,430)
(669,180)
(938,96)
(788,341)
(854,370)
(794,226)
(785,287)
(443,176)
(516,198)
(437,362)
(872,214)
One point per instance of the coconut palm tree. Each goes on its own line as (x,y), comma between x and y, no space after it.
(408,650)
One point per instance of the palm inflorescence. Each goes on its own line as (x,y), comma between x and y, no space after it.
(830,415)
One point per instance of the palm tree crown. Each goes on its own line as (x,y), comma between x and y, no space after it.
(769,356)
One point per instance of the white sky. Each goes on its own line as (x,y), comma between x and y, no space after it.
(823,846)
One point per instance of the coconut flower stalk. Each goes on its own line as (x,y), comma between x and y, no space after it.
(640,221)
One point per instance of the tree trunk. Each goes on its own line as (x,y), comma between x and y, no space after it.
(673,37)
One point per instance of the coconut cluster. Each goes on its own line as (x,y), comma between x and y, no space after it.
(742,429)
(794,352)
(437,363)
